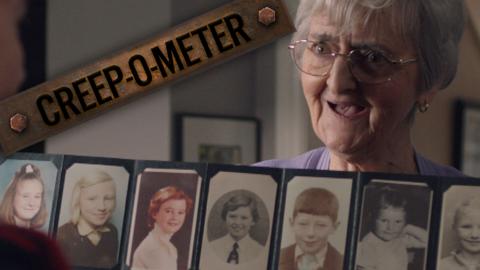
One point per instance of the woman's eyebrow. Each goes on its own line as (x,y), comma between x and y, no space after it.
(323,37)
(372,45)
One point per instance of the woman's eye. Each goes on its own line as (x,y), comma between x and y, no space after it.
(373,56)
(319,48)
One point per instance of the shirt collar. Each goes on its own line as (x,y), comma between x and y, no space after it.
(461,261)
(242,243)
(85,229)
(320,255)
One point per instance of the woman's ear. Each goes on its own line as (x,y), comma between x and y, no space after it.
(425,99)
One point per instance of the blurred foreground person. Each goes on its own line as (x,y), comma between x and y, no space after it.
(12,70)
(24,249)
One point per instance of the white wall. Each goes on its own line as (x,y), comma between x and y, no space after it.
(260,84)
(79,32)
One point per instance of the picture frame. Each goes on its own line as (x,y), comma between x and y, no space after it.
(407,199)
(457,199)
(312,192)
(85,180)
(226,186)
(216,139)
(466,145)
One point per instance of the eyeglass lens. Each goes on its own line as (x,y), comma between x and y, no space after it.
(366,66)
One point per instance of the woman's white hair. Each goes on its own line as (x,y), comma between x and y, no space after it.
(433,27)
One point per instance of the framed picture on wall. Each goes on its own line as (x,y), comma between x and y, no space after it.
(216,139)
(467,137)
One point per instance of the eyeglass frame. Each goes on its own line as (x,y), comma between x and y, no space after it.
(399,62)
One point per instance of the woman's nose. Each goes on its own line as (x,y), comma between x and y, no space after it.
(340,78)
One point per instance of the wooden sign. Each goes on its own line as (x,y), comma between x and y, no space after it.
(209,39)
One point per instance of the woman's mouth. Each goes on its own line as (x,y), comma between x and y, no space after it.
(348,110)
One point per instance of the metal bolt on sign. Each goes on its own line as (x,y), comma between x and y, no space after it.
(18,122)
(266,16)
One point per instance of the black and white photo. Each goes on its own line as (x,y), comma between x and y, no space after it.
(459,245)
(238,221)
(394,226)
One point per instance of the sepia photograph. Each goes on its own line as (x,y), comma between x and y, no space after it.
(163,219)
(92,214)
(394,225)
(27,190)
(238,222)
(315,223)
(459,239)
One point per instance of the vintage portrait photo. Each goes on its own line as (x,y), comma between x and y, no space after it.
(238,222)
(27,190)
(459,243)
(394,224)
(163,219)
(315,223)
(92,214)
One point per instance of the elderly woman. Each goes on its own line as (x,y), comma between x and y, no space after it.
(89,239)
(366,67)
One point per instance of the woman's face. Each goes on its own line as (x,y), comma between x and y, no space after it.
(390,223)
(97,203)
(468,231)
(28,199)
(171,215)
(351,118)
(11,54)
(239,222)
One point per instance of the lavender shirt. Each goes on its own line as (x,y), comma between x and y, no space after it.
(319,159)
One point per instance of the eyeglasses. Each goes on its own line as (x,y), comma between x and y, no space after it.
(365,64)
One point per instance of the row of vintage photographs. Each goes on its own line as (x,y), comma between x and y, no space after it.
(124,214)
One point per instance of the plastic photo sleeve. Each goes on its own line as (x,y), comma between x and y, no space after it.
(163,221)
(27,190)
(238,222)
(92,211)
(394,225)
(459,235)
(315,223)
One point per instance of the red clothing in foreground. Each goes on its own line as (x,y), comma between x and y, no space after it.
(23,249)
